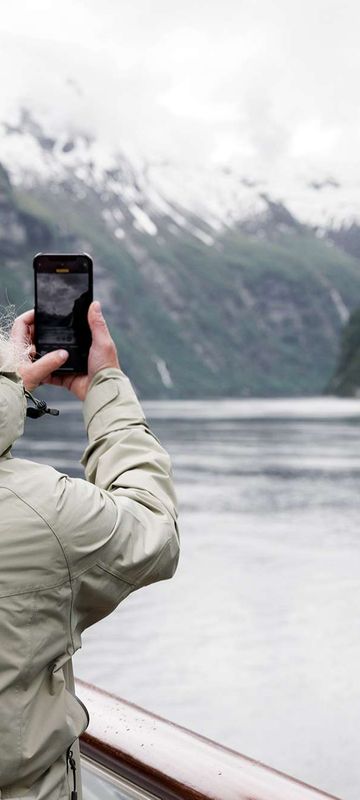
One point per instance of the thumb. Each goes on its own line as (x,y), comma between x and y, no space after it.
(98,326)
(103,351)
(38,371)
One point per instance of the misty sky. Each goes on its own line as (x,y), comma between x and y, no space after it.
(260,82)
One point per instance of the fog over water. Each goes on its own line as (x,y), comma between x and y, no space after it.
(256,641)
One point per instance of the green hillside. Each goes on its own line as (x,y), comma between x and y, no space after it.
(249,315)
(346,379)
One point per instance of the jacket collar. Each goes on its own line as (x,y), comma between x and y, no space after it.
(12,410)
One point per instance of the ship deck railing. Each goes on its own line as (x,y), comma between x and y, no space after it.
(128,753)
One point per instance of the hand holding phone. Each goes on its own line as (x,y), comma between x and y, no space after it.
(63,293)
(45,370)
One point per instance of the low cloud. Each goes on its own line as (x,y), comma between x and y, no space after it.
(257,82)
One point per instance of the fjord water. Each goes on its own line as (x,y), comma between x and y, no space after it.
(256,641)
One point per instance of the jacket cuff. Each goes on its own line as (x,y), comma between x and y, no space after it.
(110,403)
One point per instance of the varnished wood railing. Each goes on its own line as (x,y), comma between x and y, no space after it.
(172,762)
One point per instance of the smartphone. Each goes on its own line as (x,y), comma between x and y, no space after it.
(63,293)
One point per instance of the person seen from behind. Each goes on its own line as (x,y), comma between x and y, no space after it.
(70,551)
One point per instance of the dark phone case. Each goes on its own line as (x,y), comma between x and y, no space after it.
(77,362)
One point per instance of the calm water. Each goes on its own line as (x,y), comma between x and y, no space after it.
(256,641)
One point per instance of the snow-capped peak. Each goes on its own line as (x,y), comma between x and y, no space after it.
(201,200)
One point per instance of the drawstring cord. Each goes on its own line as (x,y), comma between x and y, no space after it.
(71,760)
(41,407)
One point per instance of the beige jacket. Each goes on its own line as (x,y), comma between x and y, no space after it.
(70,551)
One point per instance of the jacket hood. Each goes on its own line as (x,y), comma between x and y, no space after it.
(12,410)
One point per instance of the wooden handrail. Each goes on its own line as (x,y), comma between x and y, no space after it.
(173,762)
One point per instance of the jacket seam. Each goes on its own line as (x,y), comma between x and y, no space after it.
(35,510)
(100,563)
(114,574)
(119,577)
(34,590)
(169,517)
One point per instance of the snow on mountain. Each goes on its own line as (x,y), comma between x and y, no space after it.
(199,200)
(237,296)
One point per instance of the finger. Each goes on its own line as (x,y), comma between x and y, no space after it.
(98,326)
(54,380)
(65,381)
(40,370)
(27,316)
(59,380)
(20,330)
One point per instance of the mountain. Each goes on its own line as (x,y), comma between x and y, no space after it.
(345,381)
(221,292)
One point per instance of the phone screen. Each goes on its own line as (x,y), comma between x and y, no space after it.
(63,293)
